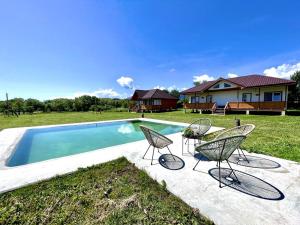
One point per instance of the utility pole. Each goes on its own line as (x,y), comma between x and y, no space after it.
(7,99)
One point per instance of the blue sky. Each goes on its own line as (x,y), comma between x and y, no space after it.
(65,48)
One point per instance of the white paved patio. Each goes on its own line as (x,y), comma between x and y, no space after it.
(226,205)
(197,188)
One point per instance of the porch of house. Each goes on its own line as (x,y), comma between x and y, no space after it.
(279,106)
(145,106)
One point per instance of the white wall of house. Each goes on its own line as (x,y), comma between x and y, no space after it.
(223,96)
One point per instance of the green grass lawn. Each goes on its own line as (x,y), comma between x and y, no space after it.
(111,193)
(274,135)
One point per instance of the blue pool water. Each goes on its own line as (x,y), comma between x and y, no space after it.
(49,143)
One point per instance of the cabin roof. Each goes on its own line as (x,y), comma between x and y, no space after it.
(151,94)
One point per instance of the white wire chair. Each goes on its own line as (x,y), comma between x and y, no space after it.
(220,150)
(239,130)
(156,140)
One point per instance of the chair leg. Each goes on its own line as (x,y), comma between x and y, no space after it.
(196,164)
(171,153)
(146,152)
(244,155)
(194,146)
(232,171)
(152,156)
(219,175)
(182,145)
(186,141)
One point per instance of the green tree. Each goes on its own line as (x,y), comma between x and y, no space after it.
(175,93)
(32,105)
(295,91)
(83,103)
(197,83)
(18,105)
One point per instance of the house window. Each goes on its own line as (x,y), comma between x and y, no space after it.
(217,86)
(157,102)
(195,99)
(227,85)
(272,96)
(276,96)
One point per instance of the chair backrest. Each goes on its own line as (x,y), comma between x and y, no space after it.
(154,138)
(200,126)
(239,130)
(221,149)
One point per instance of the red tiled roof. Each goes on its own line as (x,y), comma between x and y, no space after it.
(153,93)
(243,82)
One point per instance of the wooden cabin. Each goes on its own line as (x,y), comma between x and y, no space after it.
(152,100)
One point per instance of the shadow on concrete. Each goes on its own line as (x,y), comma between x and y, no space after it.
(247,184)
(201,157)
(171,162)
(254,162)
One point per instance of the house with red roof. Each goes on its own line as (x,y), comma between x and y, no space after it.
(244,93)
(153,100)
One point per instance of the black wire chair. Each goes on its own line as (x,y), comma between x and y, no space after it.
(220,150)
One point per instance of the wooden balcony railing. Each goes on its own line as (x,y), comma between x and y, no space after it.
(156,107)
(202,106)
(267,106)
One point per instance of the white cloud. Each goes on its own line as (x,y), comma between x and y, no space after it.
(166,88)
(160,87)
(283,71)
(126,82)
(172,70)
(203,77)
(232,75)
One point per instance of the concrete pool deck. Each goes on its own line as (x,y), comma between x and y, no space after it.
(197,188)
(18,176)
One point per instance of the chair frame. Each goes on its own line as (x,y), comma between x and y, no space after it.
(196,138)
(242,133)
(147,131)
(221,154)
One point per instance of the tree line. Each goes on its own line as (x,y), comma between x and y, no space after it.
(82,103)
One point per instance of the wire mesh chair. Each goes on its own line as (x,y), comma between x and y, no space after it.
(156,140)
(199,128)
(239,130)
(220,150)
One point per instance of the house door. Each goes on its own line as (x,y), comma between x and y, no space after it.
(247,97)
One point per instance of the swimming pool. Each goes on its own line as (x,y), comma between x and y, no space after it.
(39,144)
